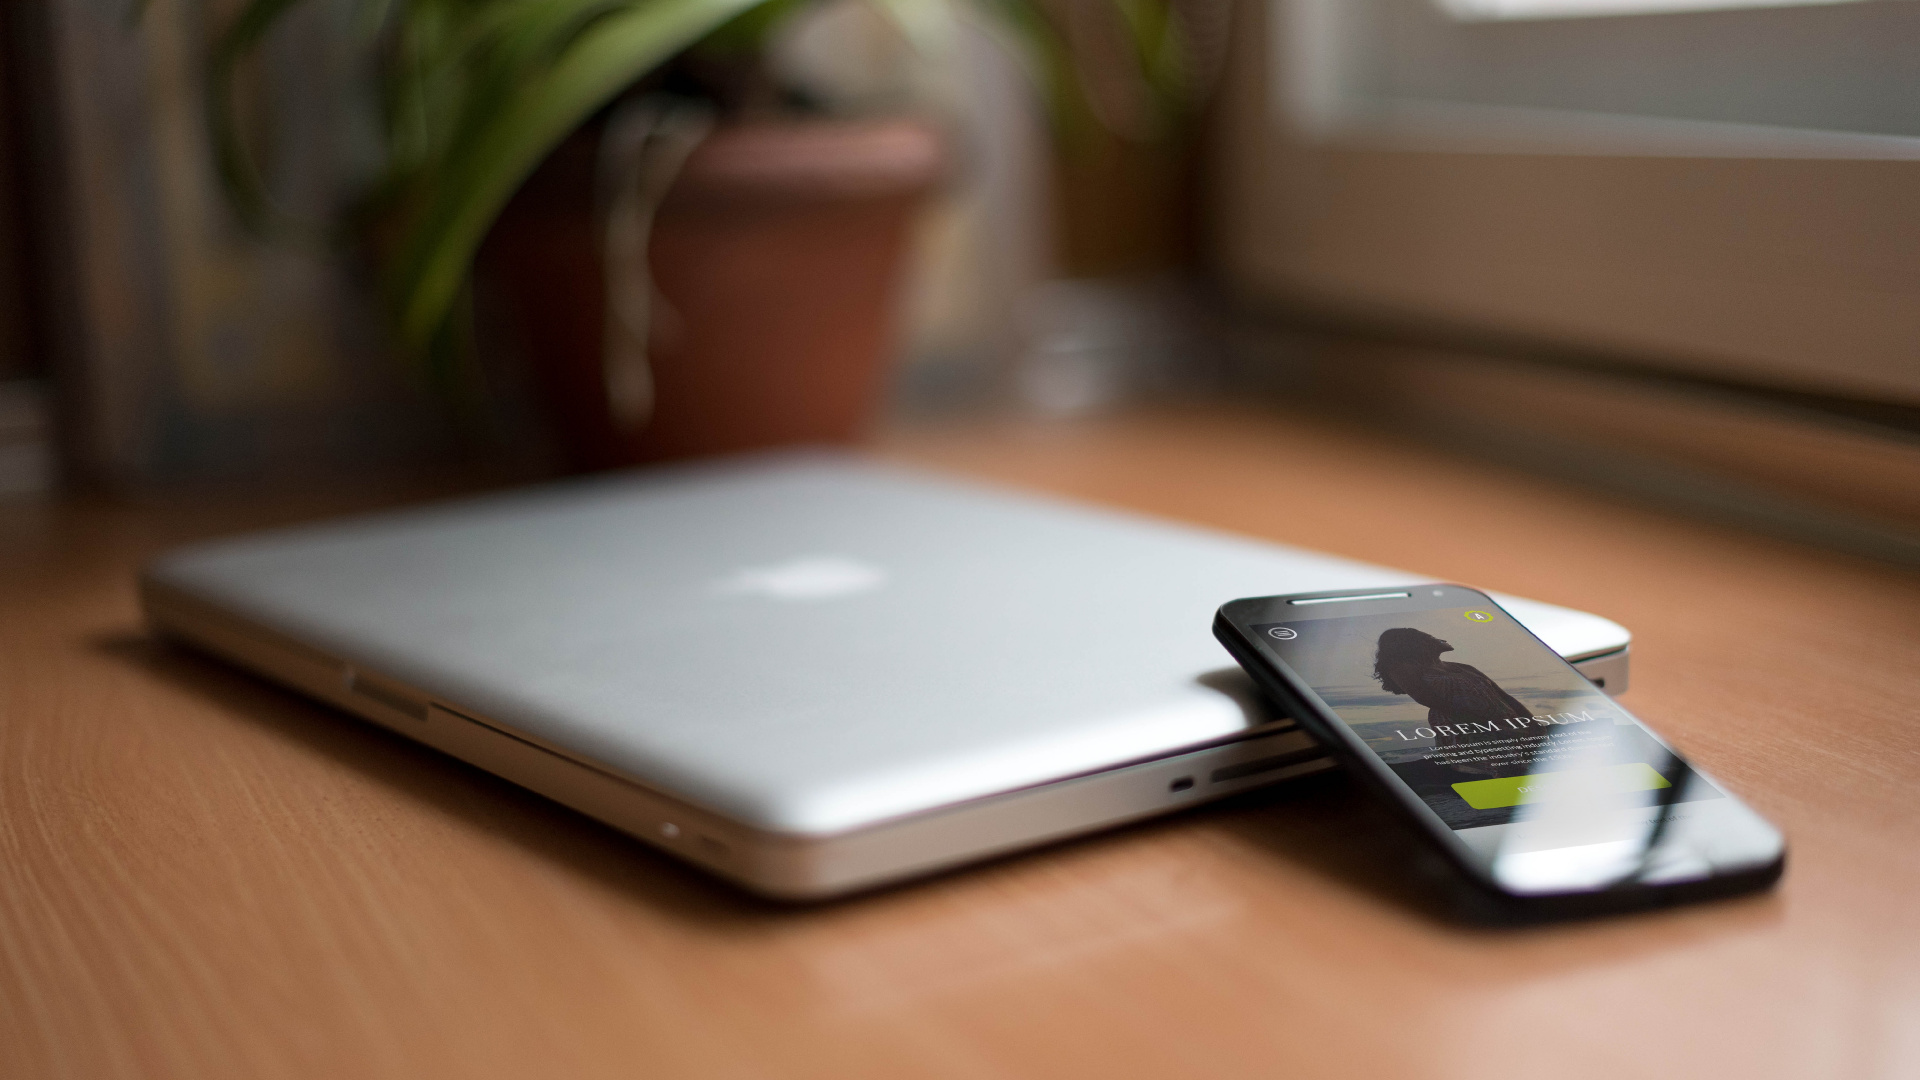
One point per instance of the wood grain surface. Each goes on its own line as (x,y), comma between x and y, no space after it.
(204,876)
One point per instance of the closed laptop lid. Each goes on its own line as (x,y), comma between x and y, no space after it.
(805,643)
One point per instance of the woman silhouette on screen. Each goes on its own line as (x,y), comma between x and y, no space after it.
(1407,661)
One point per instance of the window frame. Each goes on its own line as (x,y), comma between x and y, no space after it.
(1775,256)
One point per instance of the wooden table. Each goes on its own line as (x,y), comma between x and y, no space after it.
(204,876)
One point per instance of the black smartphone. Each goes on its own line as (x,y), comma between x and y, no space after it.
(1541,794)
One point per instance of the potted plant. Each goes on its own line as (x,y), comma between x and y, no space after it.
(556,144)
(1126,82)
(688,254)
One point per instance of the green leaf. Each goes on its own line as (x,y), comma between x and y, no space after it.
(484,167)
(239,173)
(930,26)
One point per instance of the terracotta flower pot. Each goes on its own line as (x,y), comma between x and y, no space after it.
(777,256)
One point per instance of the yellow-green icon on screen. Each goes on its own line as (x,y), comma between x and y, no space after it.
(1570,785)
(1477,616)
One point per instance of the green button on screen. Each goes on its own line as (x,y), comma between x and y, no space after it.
(1555,786)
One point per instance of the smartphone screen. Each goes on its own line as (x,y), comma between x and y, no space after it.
(1540,781)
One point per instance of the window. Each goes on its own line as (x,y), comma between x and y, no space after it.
(1723,191)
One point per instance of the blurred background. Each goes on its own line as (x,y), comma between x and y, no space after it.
(1670,248)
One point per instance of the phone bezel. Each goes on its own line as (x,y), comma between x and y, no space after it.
(1485,898)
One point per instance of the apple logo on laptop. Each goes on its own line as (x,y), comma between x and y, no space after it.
(808,577)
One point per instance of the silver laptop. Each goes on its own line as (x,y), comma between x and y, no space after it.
(807,673)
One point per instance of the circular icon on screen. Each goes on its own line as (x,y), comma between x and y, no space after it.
(1477,616)
(1284,633)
